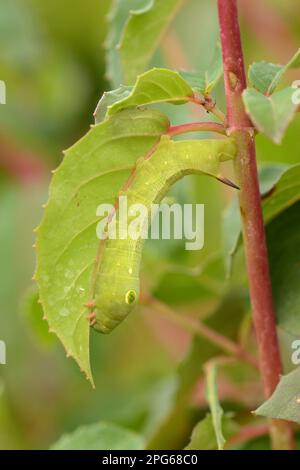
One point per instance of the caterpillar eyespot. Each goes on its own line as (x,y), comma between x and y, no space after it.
(117,285)
(130,297)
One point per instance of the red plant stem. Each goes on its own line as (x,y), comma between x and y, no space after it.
(240,126)
(197,126)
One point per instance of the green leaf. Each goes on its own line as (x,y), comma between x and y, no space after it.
(91,173)
(118,17)
(155,86)
(285,401)
(100,436)
(204,437)
(271,114)
(142,35)
(205,81)
(283,236)
(265,76)
(108,99)
(213,401)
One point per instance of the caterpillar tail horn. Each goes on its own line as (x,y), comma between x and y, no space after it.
(228,182)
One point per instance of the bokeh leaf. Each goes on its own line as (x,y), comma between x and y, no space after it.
(265,76)
(92,172)
(117,18)
(285,401)
(205,81)
(182,285)
(100,436)
(142,35)
(283,236)
(204,437)
(271,114)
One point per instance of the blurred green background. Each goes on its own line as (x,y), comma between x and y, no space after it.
(52,60)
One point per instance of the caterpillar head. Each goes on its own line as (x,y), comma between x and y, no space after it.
(114,302)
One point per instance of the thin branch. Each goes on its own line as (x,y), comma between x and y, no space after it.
(209,105)
(196,127)
(198,328)
(220,361)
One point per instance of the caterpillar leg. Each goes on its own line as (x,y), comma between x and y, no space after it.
(90,304)
(91,317)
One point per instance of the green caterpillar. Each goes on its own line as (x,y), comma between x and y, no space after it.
(117,285)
